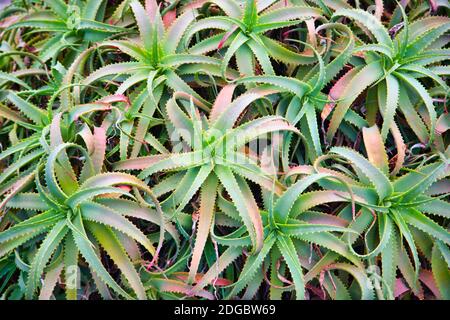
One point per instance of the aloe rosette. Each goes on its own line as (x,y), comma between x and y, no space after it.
(393,70)
(160,61)
(291,226)
(216,157)
(78,216)
(70,26)
(401,206)
(242,33)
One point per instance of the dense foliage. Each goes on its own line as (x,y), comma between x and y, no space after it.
(224,149)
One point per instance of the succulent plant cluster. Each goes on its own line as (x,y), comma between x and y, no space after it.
(224,149)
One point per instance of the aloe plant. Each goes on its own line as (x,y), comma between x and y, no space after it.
(399,204)
(216,158)
(46,126)
(392,70)
(158,53)
(303,99)
(72,26)
(243,34)
(80,216)
(284,225)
